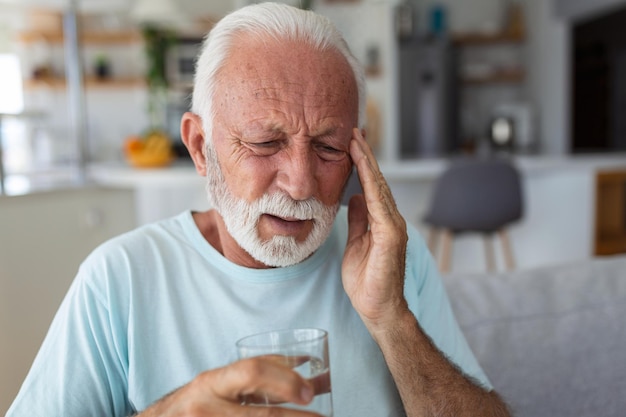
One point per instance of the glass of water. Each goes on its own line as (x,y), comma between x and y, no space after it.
(304,350)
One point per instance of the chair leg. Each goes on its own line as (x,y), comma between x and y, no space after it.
(489,257)
(506,249)
(433,239)
(446,254)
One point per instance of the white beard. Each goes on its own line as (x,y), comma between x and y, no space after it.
(242,219)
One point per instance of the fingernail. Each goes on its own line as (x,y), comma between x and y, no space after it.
(306,393)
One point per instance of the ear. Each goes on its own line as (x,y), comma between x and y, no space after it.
(193,137)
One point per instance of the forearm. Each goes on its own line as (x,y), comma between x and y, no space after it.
(428,383)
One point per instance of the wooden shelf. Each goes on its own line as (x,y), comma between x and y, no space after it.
(90,83)
(121,37)
(479,38)
(498,77)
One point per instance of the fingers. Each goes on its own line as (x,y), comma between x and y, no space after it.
(376,190)
(357,217)
(363,158)
(227,391)
(366,150)
(263,379)
(321,383)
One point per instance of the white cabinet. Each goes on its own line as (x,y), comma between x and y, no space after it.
(158,193)
(43,238)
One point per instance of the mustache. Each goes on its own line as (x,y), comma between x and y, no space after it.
(279,204)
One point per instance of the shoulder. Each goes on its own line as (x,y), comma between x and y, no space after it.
(147,238)
(124,256)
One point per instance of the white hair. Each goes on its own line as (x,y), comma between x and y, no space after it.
(279,21)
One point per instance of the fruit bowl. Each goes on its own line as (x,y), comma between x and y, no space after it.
(152,151)
(148,160)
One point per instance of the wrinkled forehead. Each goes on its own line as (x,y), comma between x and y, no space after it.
(267,68)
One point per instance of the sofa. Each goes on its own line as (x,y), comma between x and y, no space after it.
(552,340)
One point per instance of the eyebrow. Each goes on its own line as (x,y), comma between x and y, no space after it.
(329,132)
(260,128)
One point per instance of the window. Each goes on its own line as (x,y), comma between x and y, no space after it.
(11,99)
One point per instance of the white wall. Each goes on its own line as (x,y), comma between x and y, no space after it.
(576,9)
(549,75)
(366,24)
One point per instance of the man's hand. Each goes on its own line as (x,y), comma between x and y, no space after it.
(226,391)
(373,277)
(374,261)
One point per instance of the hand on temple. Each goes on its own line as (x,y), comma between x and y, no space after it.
(374,261)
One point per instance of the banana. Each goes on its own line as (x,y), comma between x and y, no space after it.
(154,150)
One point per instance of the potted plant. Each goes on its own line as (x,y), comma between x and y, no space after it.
(157,41)
(153,148)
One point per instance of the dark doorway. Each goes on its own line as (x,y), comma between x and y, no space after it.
(599,84)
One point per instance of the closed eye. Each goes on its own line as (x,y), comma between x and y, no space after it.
(265,148)
(330,153)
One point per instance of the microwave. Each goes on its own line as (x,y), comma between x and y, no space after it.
(181,61)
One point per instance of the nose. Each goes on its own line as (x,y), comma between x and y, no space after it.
(297,174)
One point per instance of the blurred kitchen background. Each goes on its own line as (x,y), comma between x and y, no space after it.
(539,82)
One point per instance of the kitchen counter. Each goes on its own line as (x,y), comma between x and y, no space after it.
(114,174)
(410,169)
(44,180)
(182,173)
(429,169)
(123,175)
(559,201)
(159,192)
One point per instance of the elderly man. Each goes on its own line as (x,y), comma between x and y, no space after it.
(150,323)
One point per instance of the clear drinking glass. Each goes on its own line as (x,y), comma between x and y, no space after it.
(306,351)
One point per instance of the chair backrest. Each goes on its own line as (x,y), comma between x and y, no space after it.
(479,195)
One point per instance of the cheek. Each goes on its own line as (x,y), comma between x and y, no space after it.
(249,178)
(331,182)
(245,178)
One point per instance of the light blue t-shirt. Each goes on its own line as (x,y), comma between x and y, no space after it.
(151,309)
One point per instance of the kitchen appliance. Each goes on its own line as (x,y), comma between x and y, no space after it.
(501,133)
(428,98)
(520,119)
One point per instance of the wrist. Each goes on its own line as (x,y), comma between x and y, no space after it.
(389,329)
